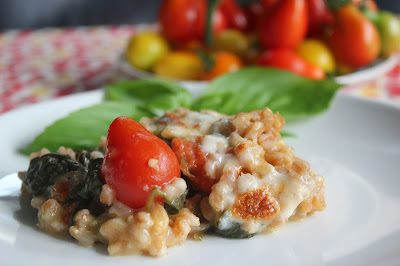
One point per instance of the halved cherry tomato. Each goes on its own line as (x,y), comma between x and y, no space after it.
(285,26)
(136,161)
(355,39)
(235,15)
(288,60)
(224,62)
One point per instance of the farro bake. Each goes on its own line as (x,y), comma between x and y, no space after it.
(239,178)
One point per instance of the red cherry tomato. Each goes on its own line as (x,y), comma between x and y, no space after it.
(235,15)
(355,40)
(220,22)
(136,161)
(182,20)
(185,20)
(288,60)
(285,26)
(319,17)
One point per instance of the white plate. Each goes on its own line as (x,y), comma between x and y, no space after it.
(355,146)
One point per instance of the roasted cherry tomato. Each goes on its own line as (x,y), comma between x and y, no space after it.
(285,26)
(287,59)
(185,20)
(235,15)
(182,65)
(319,17)
(136,161)
(355,39)
(224,62)
(317,53)
(145,48)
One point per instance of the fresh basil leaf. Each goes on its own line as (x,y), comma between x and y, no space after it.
(154,95)
(82,129)
(254,88)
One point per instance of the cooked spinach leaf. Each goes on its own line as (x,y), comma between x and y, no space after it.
(228,228)
(43,172)
(91,185)
(171,206)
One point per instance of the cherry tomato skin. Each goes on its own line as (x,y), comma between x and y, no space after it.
(285,26)
(319,17)
(220,22)
(287,59)
(185,20)
(355,40)
(225,62)
(235,15)
(182,20)
(136,161)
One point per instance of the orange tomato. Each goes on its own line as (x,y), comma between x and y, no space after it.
(224,62)
(355,39)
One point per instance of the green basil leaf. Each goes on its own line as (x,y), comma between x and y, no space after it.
(254,88)
(154,95)
(83,129)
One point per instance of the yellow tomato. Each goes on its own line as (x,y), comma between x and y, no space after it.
(317,53)
(180,65)
(145,49)
(232,41)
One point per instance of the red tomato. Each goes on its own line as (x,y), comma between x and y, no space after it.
(224,62)
(193,162)
(182,20)
(136,161)
(235,15)
(288,60)
(185,20)
(319,17)
(355,40)
(285,26)
(220,22)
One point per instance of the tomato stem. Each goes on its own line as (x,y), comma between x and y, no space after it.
(336,4)
(209,35)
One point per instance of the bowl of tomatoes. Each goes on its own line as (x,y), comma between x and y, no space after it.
(195,41)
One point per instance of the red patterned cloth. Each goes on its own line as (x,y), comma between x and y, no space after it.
(48,63)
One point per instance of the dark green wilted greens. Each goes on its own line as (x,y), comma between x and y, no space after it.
(171,206)
(253,88)
(233,231)
(43,172)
